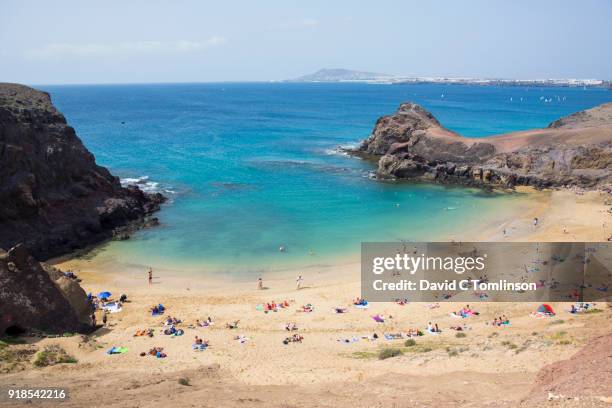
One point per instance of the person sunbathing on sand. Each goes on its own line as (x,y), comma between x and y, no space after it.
(173,331)
(296,338)
(307,308)
(157,352)
(340,309)
(502,320)
(414,332)
(200,341)
(232,325)
(146,332)
(205,323)
(291,326)
(360,301)
(158,309)
(433,328)
(170,321)
(379,318)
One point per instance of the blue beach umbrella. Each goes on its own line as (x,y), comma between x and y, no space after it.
(104,295)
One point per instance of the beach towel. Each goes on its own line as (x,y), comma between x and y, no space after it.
(117,350)
(199,347)
(378,318)
(362,306)
(112,307)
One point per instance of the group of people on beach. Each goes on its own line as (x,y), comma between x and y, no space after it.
(465,311)
(501,321)
(273,306)
(199,344)
(298,283)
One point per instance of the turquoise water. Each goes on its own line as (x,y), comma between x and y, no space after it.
(252,166)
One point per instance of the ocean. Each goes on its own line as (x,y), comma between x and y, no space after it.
(251,167)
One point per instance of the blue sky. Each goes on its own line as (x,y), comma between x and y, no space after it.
(45,42)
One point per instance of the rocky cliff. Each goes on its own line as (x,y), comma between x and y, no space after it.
(572,151)
(38,296)
(54,198)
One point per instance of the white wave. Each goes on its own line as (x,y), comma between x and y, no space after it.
(131,181)
(341,150)
(145,185)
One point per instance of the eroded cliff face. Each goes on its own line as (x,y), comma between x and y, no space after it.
(35,296)
(572,151)
(54,198)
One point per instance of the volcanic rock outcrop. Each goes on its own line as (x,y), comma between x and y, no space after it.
(35,296)
(54,198)
(586,376)
(572,151)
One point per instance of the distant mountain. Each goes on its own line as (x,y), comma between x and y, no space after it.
(338,75)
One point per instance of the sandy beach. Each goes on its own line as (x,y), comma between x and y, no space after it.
(335,363)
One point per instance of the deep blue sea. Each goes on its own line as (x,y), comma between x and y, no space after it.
(253,166)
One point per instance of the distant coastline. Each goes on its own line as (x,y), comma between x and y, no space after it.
(346,75)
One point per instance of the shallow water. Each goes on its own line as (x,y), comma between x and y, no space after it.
(252,166)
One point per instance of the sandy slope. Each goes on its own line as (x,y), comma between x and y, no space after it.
(489,367)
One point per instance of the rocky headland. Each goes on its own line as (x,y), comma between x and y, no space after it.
(573,151)
(54,198)
(37,296)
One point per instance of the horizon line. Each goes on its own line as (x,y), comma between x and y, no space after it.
(270,81)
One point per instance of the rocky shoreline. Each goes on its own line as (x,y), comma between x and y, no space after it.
(573,151)
(54,198)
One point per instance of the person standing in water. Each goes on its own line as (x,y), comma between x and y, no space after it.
(150,274)
(298,282)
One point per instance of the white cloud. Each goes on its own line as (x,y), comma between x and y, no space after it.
(66,50)
(296,24)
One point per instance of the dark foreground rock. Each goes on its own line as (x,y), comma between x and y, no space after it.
(572,151)
(54,198)
(35,296)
